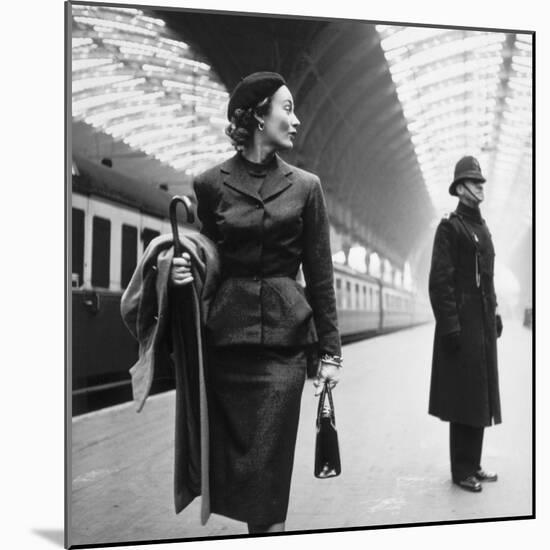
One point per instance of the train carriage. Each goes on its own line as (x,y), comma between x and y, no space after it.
(113,220)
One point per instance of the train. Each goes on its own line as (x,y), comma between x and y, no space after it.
(113,219)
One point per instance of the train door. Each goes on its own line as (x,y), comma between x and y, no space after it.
(105,251)
(380,295)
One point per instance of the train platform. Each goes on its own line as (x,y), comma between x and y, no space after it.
(395,463)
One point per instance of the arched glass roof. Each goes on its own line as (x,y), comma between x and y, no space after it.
(468,92)
(387,110)
(133,79)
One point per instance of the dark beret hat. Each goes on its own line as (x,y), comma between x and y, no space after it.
(252,89)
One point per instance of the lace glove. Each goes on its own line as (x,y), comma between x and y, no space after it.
(329,371)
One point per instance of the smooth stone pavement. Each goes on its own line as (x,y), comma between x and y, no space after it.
(394,455)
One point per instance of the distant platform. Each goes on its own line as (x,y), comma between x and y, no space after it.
(395,457)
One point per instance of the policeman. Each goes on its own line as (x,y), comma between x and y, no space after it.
(464,381)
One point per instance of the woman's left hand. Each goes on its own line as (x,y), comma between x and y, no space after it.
(328,372)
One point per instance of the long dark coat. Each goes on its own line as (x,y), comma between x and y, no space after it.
(161,320)
(464,383)
(263,235)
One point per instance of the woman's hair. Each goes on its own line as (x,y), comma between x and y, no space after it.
(243,123)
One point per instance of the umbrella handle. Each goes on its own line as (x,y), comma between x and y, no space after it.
(178,247)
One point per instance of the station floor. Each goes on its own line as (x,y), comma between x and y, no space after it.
(395,465)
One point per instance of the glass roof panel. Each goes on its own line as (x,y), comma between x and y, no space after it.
(134,80)
(467,93)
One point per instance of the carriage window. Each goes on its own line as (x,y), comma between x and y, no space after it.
(129,254)
(339,292)
(348,295)
(357,297)
(78,247)
(101,252)
(147,235)
(364,297)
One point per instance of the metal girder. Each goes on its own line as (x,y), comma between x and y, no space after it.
(352,123)
(371,113)
(342,218)
(237,45)
(357,127)
(388,164)
(368,144)
(324,41)
(338,86)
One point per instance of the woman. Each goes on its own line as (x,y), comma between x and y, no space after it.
(266,218)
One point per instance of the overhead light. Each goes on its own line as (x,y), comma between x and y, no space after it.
(107,24)
(98,82)
(137,81)
(90,63)
(80,105)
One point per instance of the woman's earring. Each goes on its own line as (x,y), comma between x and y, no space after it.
(261,125)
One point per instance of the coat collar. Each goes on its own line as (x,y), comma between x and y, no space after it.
(472,214)
(277,180)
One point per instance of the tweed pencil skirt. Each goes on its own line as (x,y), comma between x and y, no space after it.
(254,400)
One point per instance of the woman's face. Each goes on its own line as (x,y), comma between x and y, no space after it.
(280,123)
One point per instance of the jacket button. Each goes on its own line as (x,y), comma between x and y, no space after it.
(259,205)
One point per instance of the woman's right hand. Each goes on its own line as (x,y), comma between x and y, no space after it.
(180,273)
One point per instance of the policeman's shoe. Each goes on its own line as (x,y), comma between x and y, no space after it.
(482,475)
(470,484)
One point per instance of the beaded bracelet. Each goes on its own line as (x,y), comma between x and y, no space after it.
(335,360)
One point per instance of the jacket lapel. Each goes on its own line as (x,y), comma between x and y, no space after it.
(235,176)
(277,180)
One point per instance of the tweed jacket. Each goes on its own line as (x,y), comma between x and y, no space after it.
(263,234)
(168,324)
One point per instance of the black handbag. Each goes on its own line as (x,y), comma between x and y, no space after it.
(327,453)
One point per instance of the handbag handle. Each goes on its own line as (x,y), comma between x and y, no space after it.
(178,247)
(324,393)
